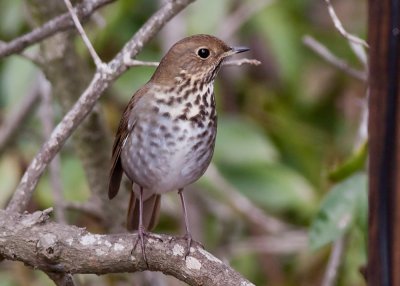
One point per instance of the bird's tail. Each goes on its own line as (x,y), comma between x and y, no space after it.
(151,209)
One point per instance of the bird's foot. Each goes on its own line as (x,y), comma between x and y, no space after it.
(141,237)
(189,243)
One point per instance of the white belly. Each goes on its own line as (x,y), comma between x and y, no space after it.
(162,157)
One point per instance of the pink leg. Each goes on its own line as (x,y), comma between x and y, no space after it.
(141,230)
(188,235)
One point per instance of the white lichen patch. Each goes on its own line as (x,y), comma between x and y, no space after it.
(48,239)
(107,243)
(100,252)
(70,241)
(178,250)
(118,247)
(209,256)
(154,238)
(193,263)
(88,239)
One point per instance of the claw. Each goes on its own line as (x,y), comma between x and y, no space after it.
(140,237)
(189,240)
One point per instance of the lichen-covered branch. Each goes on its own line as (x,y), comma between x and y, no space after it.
(52,247)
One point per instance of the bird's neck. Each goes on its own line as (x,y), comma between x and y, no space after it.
(188,98)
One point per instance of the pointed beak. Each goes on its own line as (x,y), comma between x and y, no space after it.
(238,50)
(235,50)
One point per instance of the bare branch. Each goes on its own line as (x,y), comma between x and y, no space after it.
(242,204)
(334,263)
(340,27)
(58,24)
(12,124)
(240,62)
(30,56)
(53,247)
(86,102)
(136,63)
(99,63)
(324,53)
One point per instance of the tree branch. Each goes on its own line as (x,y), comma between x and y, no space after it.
(340,28)
(334,262)
(58,24)
(78,25)
(53,247)
(242,204)
(86,102)
(324,53)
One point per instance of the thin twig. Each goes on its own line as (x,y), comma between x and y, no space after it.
(135,63)
(340,27)
(86,102)
(334,263)
(33,57)
(58,24)
(242,204)
(99,63)
(324,53)
(12,124)
(240,62)
(47,118)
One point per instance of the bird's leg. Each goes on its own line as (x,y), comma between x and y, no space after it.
(141,230)
(188,235)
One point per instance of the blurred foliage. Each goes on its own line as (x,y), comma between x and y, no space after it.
(283,127)
(342,208)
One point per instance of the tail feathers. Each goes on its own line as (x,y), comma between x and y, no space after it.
(151,209)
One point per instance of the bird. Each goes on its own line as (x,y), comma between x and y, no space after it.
(166,135)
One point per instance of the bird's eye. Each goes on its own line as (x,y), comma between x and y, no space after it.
(203,53)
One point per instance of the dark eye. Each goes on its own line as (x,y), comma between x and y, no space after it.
(203,53)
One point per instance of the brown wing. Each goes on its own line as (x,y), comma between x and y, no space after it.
(122,133)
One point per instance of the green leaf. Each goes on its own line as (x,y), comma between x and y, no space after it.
(242,142)
(339,210)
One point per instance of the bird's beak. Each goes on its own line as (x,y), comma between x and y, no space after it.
(236,50)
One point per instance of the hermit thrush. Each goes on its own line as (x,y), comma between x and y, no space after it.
(166,136)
